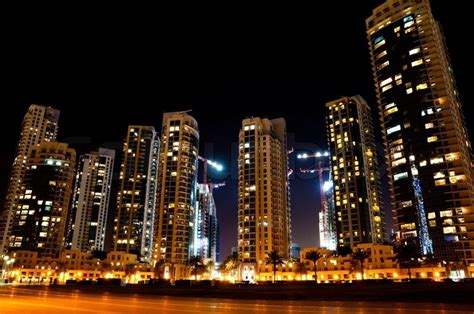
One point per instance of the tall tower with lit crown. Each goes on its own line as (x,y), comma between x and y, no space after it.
(427,149)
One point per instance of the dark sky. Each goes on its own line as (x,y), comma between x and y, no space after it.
(105,71)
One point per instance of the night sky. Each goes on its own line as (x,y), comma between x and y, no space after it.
(106,73)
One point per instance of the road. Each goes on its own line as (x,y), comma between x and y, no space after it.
(27,300)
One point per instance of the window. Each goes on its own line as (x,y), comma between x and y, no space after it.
(380,55)
(439,175)
(396,29)
(432,139)
(409,24)
(383,65)
(414,51)
(436,160)
(432,215)
(448,230)
(446,213)
(399,162)
(407,18)
(379,44)
(393,129)
(386,82)
(429,125)
(417,63)
(406,204)
(440,182)
(399,176)
(421,86)
(386,88)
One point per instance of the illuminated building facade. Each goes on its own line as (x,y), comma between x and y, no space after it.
(359,216)
(327,217)
(88,214)
(427,149)
(39,221)
(176,200)
(40,124)
(264,204)
(135,213)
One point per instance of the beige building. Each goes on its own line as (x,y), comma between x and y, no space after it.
(427,149)
(264,203)
(40,124)
(176,195)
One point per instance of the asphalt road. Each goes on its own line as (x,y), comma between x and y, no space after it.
(27,300)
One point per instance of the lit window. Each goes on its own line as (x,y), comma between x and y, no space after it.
(414,51)
(409,91)
(393,129)
(383,65)
(422,86)
(440,182)
(447,230)
(385,82)
(408,24)
(446,213)
(436,160)
(399,162)
(386,88)
(397,155)
(379,44)
(432,139)
(417,63)
(429,125)
(407,18)
(380,55)
(396,29)
(399,176)
(252,127)
(406,204)
(439,175)
(432,215)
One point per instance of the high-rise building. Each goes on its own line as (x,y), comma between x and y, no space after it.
(207,229)
(40,124)
(356,185)
(133,230)
(427,149)
(264,203)
(39,221)
(176,200)
(88,215)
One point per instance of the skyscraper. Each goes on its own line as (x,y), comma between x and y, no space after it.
(133,231)
(40,124)
(264,205)
(40,215)
(88,214)
(427,149)
(207,228)
(176,200)
(356,187)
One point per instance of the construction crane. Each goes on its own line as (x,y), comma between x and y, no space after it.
(204,206)
(326,220)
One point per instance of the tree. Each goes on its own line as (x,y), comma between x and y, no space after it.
(407,256)
(314,256)
(275,259)
(299,268)
(129,269)
(158,269)
(104,266)
(359,256)
(210,266)
(196,265)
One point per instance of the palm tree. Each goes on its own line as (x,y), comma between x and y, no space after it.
(129,269)
(158,269)
(196,265)
(275,259)
(407,257)
(299,268)
(359,256)
(314,256)
(210,265)
(104,266)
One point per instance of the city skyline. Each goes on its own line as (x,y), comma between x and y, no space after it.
(307,135)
